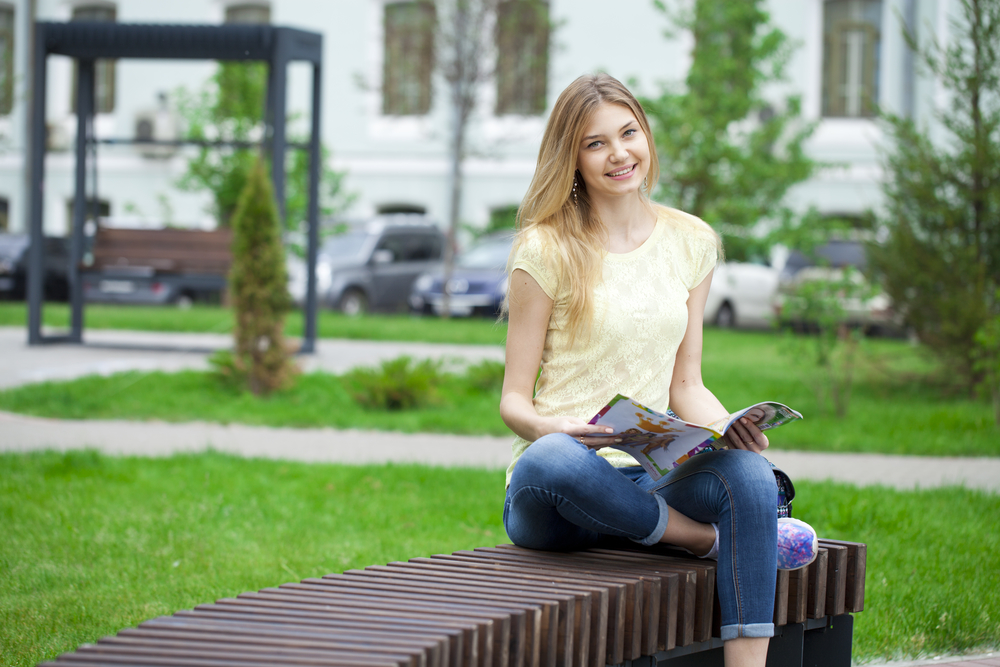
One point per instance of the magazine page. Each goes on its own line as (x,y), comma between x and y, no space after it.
(660,442)
(656,440)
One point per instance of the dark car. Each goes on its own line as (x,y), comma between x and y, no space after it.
(14,266)
(370,265)
(478,281)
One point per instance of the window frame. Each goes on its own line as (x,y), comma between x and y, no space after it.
(400,60)
(850,84)
(105,88)
(522,88)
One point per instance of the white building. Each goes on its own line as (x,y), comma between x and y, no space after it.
(388,126)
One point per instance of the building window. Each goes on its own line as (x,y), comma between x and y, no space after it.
(409,58)
(6,58)
(4,214)
(104,70)
(522,56)
(102,207)
(851,39)
(248,13)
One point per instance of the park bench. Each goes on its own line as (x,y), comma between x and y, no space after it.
(124,264)
(498,607)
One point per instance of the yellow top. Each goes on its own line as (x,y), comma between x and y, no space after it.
(640,316)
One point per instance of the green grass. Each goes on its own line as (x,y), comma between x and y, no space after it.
(897,406)
(93,544)
(216,319)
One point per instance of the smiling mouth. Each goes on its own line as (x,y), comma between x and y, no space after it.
(622,171)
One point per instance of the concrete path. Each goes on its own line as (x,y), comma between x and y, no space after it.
(20,433)
(107,352)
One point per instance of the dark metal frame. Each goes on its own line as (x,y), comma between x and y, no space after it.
(86,42)
(822,642)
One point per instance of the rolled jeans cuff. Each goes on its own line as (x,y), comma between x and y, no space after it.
(749,630)
(661,525)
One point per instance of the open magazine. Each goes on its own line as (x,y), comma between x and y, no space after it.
(661,442)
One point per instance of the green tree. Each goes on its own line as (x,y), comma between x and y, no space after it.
(728,155)
(257,288)
(230,107)
(940,260)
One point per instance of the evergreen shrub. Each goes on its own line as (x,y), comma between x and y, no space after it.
(258,290)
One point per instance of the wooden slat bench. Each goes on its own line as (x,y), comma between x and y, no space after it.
(188,263)
(502,606)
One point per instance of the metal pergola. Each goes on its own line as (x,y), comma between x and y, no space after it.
(85,42)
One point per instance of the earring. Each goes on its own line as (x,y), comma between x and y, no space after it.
(575,202)
(645,184)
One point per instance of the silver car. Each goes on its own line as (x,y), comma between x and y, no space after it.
(370,265)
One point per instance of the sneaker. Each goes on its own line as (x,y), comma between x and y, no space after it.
(797,544)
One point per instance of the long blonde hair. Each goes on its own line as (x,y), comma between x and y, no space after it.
(549,208)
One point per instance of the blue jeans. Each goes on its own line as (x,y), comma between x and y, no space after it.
(564,497)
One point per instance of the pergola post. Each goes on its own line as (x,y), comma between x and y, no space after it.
(36,165)
(84,127)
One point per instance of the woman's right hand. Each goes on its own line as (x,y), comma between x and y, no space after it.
(588,434)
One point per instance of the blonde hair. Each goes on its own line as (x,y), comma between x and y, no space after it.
(549,208)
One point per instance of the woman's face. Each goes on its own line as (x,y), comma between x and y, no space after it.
(613,156)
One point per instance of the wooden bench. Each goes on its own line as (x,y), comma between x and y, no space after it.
(498,607)
(190,263)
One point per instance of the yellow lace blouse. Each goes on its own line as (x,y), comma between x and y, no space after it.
(640,315)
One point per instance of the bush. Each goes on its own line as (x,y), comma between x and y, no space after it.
(486,376)
(398,384)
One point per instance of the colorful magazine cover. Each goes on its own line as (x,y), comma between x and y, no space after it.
(661,442)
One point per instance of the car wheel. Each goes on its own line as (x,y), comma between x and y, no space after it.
(354,302)
(726,317)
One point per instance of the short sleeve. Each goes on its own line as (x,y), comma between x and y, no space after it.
(536,258)
(704,253)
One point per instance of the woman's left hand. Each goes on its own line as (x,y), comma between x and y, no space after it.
(744,434)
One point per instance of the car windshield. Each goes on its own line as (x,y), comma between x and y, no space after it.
(346,245)
(487,255)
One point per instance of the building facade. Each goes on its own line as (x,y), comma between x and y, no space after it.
(386,117)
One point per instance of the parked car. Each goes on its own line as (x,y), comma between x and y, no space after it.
(370,265)
(14,266)
(478,281)
(841,264)
(741,295)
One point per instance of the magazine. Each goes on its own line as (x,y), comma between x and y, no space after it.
(661,442)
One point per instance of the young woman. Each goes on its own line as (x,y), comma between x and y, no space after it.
(606,295)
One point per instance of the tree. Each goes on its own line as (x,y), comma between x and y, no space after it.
(728,155)
(258,287)
(940,260)
(462,56)
(230,107)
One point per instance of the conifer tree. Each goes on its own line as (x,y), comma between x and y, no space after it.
(258,287)
(940,261)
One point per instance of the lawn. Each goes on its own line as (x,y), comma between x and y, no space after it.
(215,319)
(93,544)
(898,404)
